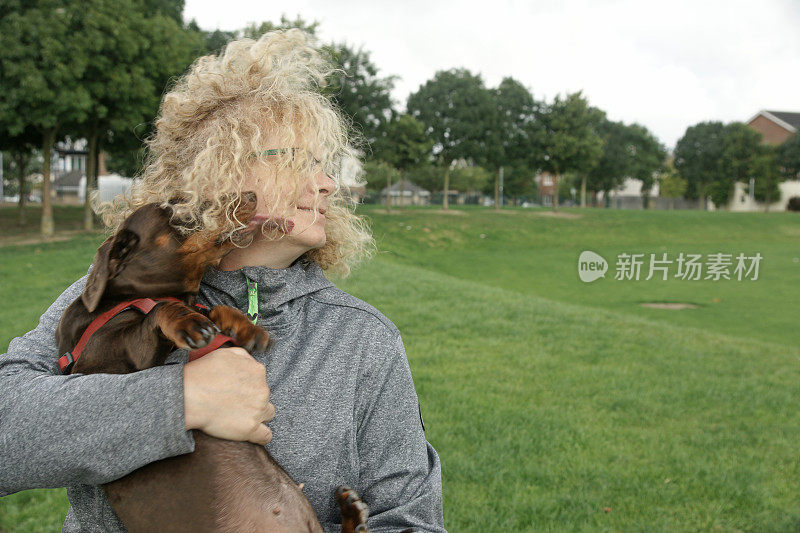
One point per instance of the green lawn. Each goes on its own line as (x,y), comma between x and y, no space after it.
(557,405)
(68,219)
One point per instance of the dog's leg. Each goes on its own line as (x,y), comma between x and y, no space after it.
(236,325)
(186,328)
(354,511)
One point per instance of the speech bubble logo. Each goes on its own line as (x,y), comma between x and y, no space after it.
(591,266)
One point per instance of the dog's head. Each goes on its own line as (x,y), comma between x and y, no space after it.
(148,257)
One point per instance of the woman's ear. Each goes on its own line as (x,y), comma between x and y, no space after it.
(109,261)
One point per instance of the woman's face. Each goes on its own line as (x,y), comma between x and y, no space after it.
(306,225)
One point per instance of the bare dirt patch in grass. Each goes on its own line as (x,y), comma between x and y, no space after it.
(446,212)
(22,240)
(555,215)
(669,305)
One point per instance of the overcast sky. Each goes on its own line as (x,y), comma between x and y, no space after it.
(664,64)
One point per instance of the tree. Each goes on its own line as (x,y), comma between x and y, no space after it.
(460,116)
(741,147)
(647,156)
(254,31)
(629,151)
(519,181)
(671,184)
(212,42)
(767,175)
(614,162)
(379,175)
(362,95)
(462,119)
(131,57)
(405,146)
(572,143)
(789,157)
(471,178)
(22,151)
(521,137)
(428,176)
(42,61)
(698,159)
(169,8)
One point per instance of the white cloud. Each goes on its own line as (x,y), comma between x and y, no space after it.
(666,65)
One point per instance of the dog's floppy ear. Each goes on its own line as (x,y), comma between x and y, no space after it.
(96,282)
(108,262)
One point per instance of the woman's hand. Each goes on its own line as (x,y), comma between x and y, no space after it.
(226,396)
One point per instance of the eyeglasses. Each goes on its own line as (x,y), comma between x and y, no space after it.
(314,161)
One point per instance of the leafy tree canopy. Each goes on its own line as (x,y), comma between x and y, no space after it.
(572,142)
(789,157)
(698,157)
(357,89)
(461,117)
(405,144)
(522,134)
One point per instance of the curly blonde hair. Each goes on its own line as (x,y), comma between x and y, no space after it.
(210,134)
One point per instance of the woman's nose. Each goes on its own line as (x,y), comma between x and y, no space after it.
(325,184)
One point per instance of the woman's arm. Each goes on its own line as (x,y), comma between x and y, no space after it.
(58,430)
(400,477)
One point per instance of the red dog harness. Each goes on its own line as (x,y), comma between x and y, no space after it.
(144,305)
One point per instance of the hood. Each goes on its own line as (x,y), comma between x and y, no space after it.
(280,290)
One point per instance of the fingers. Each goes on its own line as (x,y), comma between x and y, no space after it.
(226,395)
(269,412)
(262,435)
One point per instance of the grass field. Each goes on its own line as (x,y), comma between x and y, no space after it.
(557,405)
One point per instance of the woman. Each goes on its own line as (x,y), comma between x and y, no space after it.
(347,413)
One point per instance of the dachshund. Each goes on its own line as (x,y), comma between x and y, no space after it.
(223,485)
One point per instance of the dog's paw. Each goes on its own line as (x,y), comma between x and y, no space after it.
(198,331)
(354,511)
(237,326)
(186,328)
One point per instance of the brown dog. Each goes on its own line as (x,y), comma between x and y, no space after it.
(223,485)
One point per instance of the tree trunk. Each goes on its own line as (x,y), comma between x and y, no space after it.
(671,203)
(703,204)
(48,140)
(583,191)
(555,192)
(22,164)
(446,199)
(388,192)
(497,191)
(91,179)
(402,189)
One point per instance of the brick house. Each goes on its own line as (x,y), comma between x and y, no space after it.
(546,186)
(775,126)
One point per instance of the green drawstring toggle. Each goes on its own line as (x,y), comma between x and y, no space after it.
(252,300)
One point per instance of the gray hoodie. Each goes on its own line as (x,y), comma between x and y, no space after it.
(346,408)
